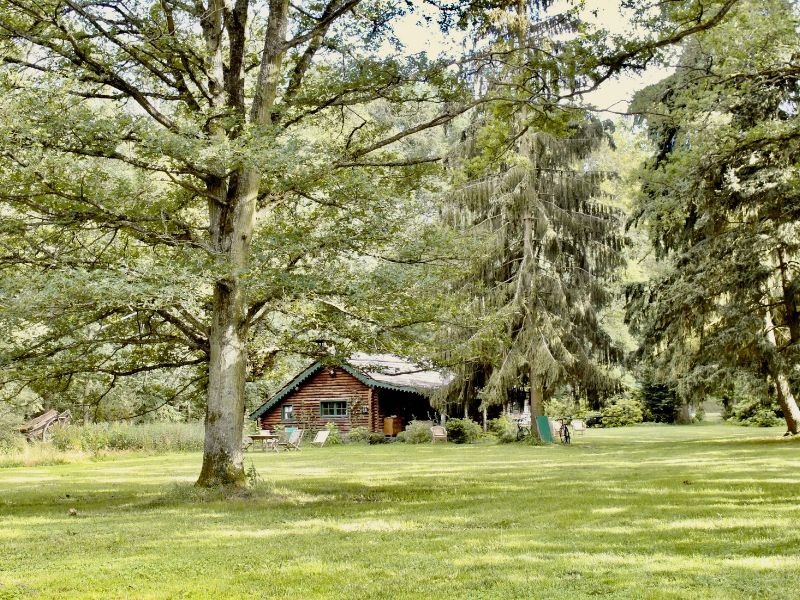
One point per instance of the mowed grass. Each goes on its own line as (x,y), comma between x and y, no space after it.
(644,512)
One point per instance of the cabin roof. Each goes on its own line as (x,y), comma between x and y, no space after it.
(384,371)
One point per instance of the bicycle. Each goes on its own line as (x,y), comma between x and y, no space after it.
(563,431)
(523,431)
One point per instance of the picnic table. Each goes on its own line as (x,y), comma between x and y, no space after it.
(269,441)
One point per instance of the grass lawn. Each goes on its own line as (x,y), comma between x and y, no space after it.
(646,512)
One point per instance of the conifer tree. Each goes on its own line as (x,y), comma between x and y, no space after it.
(550,243)
(721,201)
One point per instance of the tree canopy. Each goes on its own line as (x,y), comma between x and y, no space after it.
(720,200)
(179,180)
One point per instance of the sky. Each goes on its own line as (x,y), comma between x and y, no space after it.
(614,95)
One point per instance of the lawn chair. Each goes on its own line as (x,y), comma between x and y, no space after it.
(292,442)
(321,437)
(439,434)
(578,426)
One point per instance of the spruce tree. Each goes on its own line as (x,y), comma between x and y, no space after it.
(721,201)
(551,245)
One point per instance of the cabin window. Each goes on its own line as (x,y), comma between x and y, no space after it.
(287,412)
(333,408)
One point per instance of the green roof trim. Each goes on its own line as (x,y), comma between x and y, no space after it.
(314,368)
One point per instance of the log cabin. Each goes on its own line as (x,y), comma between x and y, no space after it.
(380,392)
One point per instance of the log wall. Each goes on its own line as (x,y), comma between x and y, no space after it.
(322,386)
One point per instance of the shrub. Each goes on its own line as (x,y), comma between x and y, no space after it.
(359,435)
(66,437)
(376,437)
(556,408)
(504,428)
(660,403)
(752,411)
(764,417)
(751,404)
(334,435)
(10,438)
(462,431)
(621,412)
(94,438)
(417,432)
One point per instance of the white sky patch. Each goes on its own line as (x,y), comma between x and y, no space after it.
(613,95)
(616,94)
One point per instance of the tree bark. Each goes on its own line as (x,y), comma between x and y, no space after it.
(684,414)
(786,400)
(232,208)
(537,399)
(222,452)
(792,316)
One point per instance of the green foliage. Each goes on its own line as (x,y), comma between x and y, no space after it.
(10,438)
(463,431)
(153,437)
(375,437)
(659,402)
(720,199)
(416,432)
(253,476)
(752,405)
(552,243)
(622,411)
(13,409)
(334,435)
(358,435)
(557,408)
(108,300)
(755,414)
(504,428)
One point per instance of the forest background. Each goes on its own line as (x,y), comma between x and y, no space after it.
(199,199)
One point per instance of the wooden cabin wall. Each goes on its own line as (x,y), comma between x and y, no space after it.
(323,386)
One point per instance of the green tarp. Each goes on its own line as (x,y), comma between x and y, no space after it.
(545,434)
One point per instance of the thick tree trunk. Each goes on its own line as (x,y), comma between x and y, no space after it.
(537,405)
(222,451)
(232,205)
(231,231)
(537,399)
(788,404)
(684,416)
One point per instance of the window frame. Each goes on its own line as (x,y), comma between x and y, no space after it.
(283,413)
(343,415)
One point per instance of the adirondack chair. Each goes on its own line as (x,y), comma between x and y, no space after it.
(321,437)
(439,434)
(578,426)
(292,442)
